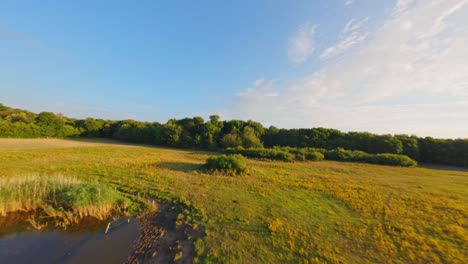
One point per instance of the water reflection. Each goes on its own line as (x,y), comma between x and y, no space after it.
(85,243)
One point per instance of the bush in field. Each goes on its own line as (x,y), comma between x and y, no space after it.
(261,153)
(313,154)
(340,154)
(395,160)
(233,164)
(283,154)
(302,154)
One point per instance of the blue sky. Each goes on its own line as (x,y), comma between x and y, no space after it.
(379,66)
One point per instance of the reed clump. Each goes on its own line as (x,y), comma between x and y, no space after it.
(61,200)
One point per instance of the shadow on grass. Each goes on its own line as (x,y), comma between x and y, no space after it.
(443,167)
(179,166)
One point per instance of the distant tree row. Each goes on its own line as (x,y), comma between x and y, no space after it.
(215,134)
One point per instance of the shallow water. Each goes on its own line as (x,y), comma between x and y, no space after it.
(60,246)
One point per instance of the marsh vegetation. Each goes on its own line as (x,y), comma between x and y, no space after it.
(59,200)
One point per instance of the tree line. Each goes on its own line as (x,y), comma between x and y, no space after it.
(215,134)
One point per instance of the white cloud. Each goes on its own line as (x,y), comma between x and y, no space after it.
(302,44)
(411,76)
(348,2)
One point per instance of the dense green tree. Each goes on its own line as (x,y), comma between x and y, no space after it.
(211,132)
(21,116)
(172,132)
(51,125)
(387,144)
(92,127)
(269,137)
(250,138)
(410,146)
(231,140)
(4,107)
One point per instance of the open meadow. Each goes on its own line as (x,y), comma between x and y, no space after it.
(279,212)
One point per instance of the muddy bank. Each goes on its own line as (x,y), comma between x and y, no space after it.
(164,239)
(155,237)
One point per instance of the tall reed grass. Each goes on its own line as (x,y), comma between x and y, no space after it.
(62,200)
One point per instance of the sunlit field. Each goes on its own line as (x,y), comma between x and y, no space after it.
(298,212)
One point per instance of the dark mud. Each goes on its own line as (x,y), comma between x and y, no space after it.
(162,239)
(156,237)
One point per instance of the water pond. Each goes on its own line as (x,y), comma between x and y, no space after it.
(83,244)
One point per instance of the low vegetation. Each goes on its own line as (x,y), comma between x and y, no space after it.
(283,212)
(312,154)
(360,156)
(60,200)
(261,153)
(226,164)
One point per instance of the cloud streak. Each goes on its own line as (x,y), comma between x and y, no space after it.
(343,45)
(353,25)
(349,37)
(302,44)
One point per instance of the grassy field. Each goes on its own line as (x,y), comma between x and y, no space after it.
(303,212)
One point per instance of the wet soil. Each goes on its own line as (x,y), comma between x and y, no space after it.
(162,240)
(156,237)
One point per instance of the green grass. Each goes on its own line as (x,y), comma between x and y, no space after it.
(301,212)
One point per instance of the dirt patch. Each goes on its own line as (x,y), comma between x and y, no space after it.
(163,239)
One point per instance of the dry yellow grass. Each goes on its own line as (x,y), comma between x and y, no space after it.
(48,143)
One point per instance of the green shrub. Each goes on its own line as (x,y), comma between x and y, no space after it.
(261,153)
(282,155)
(232,164)
(302,154)
(395,160)
(340,154)
(313,154)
